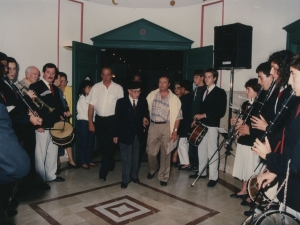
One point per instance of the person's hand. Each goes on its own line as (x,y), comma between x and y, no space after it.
(41,130)
(174,136)
(193,123)
(145,122)
(244,130)
(237,124)
(265,179)
(35,120)
(259,123)
(115,140)
(199,116)
(31,94)
(261,149)
(67,114)
(92,127)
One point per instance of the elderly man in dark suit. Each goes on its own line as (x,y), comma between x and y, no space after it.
(46,150)
(129,130)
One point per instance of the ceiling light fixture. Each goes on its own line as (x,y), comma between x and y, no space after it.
(172,3)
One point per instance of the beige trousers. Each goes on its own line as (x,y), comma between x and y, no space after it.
(158,138)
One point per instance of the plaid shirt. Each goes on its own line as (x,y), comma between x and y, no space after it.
(161,109)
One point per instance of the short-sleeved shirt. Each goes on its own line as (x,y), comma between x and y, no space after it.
(104,99)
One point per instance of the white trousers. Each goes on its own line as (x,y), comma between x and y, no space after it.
(206,149)
(183,151)
(45,156)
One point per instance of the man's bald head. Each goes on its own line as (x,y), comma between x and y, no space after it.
(32,74)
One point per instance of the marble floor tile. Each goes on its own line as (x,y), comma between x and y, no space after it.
(75,200)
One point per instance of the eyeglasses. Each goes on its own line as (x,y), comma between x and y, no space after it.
(64,81)
(135,92)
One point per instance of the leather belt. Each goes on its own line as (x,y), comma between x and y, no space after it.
(158,122)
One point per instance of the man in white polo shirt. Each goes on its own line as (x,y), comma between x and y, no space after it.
(102,99)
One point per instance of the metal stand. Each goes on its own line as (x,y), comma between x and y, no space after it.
(224,143)
(228,147)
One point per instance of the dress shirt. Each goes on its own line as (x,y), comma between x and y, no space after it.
(209,90)
(135,101)
(104,99)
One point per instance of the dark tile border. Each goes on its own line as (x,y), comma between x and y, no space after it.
(109,220)
(211,212)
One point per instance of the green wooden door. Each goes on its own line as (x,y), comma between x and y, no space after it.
(87,61)
(196,58)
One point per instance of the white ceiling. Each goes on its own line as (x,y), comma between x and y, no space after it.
(148,3)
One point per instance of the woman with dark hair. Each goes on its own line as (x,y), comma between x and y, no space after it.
(245,161)
(86,137)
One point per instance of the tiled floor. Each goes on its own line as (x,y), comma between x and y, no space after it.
(84,199)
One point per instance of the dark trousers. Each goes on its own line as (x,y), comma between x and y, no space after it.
(194,154)
(130,160)
(86,142)
(104,132)
(26,137)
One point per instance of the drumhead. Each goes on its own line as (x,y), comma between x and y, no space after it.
(61,130)
(251,220)
(266,194)
(278,218)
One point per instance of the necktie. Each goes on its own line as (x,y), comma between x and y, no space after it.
(206,93)
(279,94)
(51,89)
(133,106)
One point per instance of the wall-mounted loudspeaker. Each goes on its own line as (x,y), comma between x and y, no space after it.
(233,46)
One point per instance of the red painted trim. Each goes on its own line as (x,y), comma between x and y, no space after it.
(202,26)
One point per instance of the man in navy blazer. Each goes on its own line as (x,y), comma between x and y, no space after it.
(213,108)
(130,115)
(46,150)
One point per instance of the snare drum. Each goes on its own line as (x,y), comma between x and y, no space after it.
(272,217)
(62,133)
(197,135)
(266,194)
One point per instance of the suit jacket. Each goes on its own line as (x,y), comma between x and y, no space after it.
(14,161)
(49,119)
(214,106)
(127,124)
(277,162)
(19,115)
(186,107)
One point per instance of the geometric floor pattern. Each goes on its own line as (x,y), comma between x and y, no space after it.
(85,200)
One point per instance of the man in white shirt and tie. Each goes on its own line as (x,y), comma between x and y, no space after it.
(212,109)
(102,99)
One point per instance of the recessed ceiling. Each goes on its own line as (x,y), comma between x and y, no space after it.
(148,3)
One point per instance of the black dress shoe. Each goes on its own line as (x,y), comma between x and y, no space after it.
(150,176)
(235,195)
(196,175)
(248,213)
(245,203)
(43,186)
(59,179)
(163,183)
(135,180)
(211,183)
(123,185)
(102,178)
(71,166)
